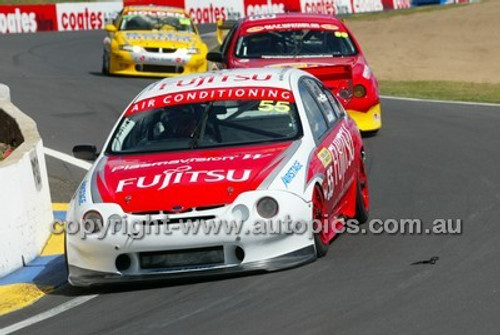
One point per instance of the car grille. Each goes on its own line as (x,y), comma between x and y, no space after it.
(186,258)
(187,210)
(176,220)
(159,68)
(161,50)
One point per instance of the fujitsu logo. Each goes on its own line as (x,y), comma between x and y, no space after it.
(184,175)
(199,81)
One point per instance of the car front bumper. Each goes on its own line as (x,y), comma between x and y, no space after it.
(154,64)
(86,278)
(93,260)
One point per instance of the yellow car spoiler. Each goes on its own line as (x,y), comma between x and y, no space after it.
(223,28)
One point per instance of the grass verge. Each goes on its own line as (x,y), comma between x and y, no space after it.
(442,90)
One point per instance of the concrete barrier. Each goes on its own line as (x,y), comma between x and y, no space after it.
(4,93)
(25,204)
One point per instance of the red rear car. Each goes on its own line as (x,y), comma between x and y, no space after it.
(312,42)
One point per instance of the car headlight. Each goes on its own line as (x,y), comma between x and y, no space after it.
(267,207)
(241,213)
(131,48)
(116,222)
(92,222)
(193,51)
(359,91)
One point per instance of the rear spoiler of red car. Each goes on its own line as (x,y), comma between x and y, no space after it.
(337,78)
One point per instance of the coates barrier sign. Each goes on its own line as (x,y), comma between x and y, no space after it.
(260,7)
(95,15)
(329,7)
(86,16)
(27,19)
(210,11)
(396,4)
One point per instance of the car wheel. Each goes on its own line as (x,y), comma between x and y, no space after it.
(320,238)
(362,194)
(105,64)
(368,134)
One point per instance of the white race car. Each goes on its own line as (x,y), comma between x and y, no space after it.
(227,171)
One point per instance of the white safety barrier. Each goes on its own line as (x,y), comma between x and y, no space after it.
(25,204)
(4,92)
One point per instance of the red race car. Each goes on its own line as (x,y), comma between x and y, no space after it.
(312,42)
(229,171)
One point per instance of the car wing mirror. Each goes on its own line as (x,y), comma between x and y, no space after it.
(85,152)
(110,28)
(215,57)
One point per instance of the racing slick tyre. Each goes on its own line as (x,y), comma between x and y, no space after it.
(321,237)
(362,194)
(105,64)
(370,133)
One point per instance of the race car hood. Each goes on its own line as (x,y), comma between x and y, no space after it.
(177,182)
(159,39)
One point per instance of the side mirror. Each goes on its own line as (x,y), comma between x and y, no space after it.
(86,152)
(216,57)
(110,28)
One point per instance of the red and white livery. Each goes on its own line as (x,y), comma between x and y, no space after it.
(268,158)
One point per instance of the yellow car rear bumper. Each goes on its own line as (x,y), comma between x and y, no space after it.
(367,121)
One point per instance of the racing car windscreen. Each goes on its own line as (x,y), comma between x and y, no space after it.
(206,125)
(295,43)
(155,21)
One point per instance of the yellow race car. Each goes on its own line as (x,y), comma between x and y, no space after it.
(153,41)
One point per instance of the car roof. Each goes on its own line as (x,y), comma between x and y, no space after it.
(233,78)
(293,17)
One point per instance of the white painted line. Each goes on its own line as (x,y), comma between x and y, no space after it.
(208,34)
(47,314)
(67,158)
(443,101)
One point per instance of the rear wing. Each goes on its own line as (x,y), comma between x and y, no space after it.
(337,78)
(223,28)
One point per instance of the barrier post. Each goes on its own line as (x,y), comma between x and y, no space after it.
(4,92)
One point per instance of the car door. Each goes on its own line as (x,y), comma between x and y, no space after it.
(335,144)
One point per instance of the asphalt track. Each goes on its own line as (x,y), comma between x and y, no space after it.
(430,161)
